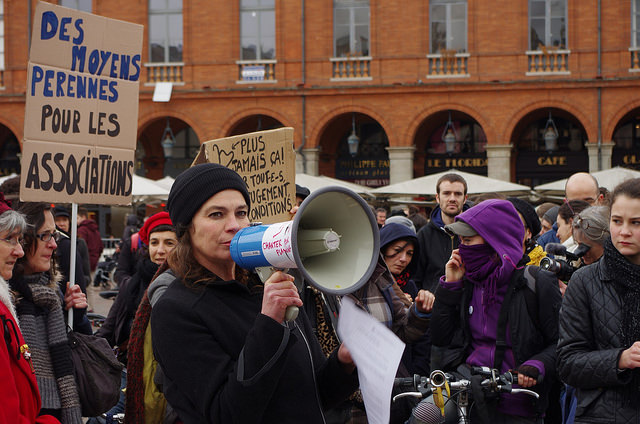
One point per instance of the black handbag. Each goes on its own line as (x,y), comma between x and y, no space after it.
(97,373)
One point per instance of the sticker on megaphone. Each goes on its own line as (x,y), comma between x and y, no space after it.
(271,245)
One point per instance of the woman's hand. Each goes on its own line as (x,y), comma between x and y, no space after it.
(630,358)
(424,301)
(345,359)
(279,292)
(454,270)
(74,298)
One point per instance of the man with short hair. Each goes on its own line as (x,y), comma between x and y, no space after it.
(435,247)
(583,186)
(381,216)
(63,252)
(88,230)
(579,186)
(436,244)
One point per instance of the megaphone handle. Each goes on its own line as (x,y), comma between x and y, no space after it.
(264,272)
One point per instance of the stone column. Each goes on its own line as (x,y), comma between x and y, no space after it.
(499,161)
(311,157)
(606,150)
(400,163)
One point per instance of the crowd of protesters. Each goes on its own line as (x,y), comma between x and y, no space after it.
(204,340)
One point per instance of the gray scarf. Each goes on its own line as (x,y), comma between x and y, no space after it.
(39,308)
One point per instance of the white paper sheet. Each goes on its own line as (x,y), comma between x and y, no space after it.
(376,352)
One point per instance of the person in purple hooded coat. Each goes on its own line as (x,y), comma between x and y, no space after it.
(488,264)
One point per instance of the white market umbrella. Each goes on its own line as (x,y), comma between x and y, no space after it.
(165,182)
(609,178)
(426,186)
(6,177)
(317,182)
(146,190)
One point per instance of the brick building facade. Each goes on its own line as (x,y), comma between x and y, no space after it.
(424,85)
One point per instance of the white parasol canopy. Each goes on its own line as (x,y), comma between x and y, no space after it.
(608,178)
(426,186)
(146,190)
(165,182)
(6,177)
(316,182)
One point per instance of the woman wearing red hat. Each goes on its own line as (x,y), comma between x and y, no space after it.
(158,239)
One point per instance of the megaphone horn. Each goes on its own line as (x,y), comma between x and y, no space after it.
(333,240)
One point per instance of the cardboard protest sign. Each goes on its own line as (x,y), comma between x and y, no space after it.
(266,162)
(81,113)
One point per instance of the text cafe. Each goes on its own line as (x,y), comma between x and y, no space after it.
(534,168)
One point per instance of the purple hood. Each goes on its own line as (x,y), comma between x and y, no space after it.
(499,224)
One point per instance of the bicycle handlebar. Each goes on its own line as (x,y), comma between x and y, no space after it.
(420,386)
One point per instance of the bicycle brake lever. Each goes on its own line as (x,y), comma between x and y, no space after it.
(526,391)
(407,394)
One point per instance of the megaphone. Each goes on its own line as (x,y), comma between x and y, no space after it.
(333,241)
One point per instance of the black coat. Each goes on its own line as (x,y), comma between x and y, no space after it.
(435,249)
(225,362)
(63,256)
(127,262)
(532,337)
(590,345)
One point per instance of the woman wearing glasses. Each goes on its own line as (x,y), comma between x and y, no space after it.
(40,306)
(19,395)
(599,344)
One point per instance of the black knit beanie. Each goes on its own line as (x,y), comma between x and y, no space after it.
(193,187)
(529,214)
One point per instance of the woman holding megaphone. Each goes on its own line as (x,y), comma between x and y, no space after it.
(219,334)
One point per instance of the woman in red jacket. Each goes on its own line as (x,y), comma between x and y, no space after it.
(19,396)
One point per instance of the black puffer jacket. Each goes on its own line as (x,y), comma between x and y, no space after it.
(590,345)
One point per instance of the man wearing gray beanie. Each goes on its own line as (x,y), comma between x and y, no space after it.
(219,334)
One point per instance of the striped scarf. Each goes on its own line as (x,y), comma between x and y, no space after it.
(39,307)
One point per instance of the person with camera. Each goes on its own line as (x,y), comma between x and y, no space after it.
(492,311)
(599,344)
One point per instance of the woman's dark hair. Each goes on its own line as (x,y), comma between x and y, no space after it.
(629,188)
(185,266)
(571,208)
(161,228)
(34,214)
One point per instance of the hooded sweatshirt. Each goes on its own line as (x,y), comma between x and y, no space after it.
(499,224)
(88,230)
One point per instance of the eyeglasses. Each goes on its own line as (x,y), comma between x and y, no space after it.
(45,237)
(13,241)
(589,228)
